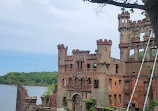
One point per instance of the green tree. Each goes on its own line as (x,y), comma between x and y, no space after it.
(149,6)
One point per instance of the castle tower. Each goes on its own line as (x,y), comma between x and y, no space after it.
(123,24)
(124,38)
(62,53)
(104,51)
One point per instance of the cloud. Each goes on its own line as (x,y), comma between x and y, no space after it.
(37,26)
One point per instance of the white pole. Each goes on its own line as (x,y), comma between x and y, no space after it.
(150,81)
(139,71)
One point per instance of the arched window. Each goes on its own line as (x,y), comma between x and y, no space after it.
(110,83)
(96,83)
(82,82)
(64,82)
(80,65)
(116,68)
(89,81)
(76,82)
(64,101)
(70,81)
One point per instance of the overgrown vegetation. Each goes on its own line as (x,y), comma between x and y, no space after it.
(141,54)
(90,104)
(49,91)
(31,78)
(153,103)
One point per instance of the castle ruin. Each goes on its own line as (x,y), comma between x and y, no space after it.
(108,80)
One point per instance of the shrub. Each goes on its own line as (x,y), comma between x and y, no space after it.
(147,108)
(154,103)
(90,104)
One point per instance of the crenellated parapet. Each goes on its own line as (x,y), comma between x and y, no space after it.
(136,24)
(61,46)
(31,100)
(140,23)
(74,51)
(104,42)
(124,15)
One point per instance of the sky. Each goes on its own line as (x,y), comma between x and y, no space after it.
(30,31)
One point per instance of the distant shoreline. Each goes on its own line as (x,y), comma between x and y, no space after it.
(24,85)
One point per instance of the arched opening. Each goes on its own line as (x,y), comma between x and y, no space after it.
(89,81)
(82,82)
(76,82)
(77,103)
(70,81)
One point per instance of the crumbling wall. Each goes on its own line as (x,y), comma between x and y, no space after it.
(21,95)
(53,97)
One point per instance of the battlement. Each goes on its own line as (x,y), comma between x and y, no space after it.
(80,51)
(124,15)
(61,46)
(105,42)
(145,22)
(140,23)
(31,99)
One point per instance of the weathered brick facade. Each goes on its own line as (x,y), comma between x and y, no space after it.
(21,95)
(108,80)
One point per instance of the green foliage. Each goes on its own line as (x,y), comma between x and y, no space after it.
(114,108)
(90,104)
(140,109)
(31,78)
(146,108)
(49,91)
(154,103)
(144,1)
(141,54)
(91,109)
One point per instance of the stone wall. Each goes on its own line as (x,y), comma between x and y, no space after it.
(53,102)
(21,95)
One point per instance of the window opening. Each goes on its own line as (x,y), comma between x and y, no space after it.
(71,66)
(153,52)
(78,65)
(126,85)
(120,84)
(70,81)
(142,36)
(88,66)
(65,67)
(64,101)
(116,68)
(146,83)
(76,82)
(141,53)
(94,65)
(64,82)
(81,65)
(131,53)
(89,81)
(96,83)
(120,99)
(110,99)
(110,83)
(115,99)
(82,82)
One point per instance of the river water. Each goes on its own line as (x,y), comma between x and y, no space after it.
(8,96)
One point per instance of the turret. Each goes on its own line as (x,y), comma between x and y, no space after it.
(123,24)
(123,19)
(104,51)
(62,53)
